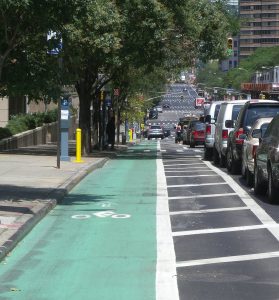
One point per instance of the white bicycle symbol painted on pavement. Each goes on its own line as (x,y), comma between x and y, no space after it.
(102,214)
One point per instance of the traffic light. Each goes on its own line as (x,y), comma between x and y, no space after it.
(230,43)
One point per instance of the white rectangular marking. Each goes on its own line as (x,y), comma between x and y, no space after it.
(203,211)
(146,150)
(261,214)
(184,171)
(227,229)
(178,150)
(198,163)
(202,196)
(166,283)
(198,184)
(203,167)
(227,259)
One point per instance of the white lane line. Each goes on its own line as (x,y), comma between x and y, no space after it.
(251,203)
(166,276)
(146,150)
(188,171)
(227,259)
(163,150)
(203,211)
(203,167)
(196,184)
(190,176)
(175,158)
(226,229)
(202,196)
(178,150)
(198,163)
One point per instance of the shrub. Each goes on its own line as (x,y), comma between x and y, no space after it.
(4,133)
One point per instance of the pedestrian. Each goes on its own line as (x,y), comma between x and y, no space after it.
(111,132)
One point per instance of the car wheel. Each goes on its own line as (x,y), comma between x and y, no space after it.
(272,190)
(192,144)
(229,160)
(259,185)
(215,156)
(148,138)
(232,166)
(207,153)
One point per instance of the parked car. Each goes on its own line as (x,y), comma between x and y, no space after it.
(249,148)
(211,115)
(155,131)
(186,132)
(250,112)
(197,134)
(228,111)
(153,114)
(266,167)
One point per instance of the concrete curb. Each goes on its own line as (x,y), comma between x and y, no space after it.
(42,208)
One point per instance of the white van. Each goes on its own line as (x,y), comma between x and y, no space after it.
(228,111)
(211,115)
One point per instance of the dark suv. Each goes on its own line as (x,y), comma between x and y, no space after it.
(248,114)
(267,162)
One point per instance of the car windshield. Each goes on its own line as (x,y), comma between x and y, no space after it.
(235,111)
(256,112)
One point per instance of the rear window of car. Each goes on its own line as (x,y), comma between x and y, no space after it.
(155,127)
(256,112)
(199,126)
(235,111)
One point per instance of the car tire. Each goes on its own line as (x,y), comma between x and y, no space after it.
(148,138)
(208,153)
(215,156)
(272,190)
(233,167)
(184,142)
(192,144)
(259,186)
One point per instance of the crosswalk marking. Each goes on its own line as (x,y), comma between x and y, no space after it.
(198,184)
(203,211)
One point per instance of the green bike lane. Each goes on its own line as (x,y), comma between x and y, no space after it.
(100,243)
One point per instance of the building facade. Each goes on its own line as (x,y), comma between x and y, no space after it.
(260,25)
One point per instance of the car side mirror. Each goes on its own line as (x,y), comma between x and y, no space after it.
(229,124)
(257,133)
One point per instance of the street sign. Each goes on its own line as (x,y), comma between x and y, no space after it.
(52,35)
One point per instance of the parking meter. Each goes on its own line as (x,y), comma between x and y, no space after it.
(64,129)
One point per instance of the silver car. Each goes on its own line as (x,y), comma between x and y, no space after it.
(249,148)
(155,131)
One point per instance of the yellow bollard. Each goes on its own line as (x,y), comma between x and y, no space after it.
(130,135)
(78,146)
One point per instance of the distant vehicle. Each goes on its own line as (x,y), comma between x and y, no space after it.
(166,106)
(184,121)
(187,130)
(249,148)
(153,114)
(159,109)
(199,102)
(250,112)
(155,131)
(211,115)
(267,162)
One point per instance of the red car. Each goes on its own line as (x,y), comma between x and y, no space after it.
(197,134)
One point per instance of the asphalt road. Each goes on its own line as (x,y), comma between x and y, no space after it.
(225,238)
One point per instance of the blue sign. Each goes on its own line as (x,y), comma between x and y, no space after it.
(65,103)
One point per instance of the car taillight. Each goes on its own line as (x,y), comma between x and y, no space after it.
(237,134)
(225,134)
(254,150)
(208,129)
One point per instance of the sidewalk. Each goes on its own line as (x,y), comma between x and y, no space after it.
(31,185)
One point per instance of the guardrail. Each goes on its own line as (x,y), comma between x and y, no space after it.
(38,136)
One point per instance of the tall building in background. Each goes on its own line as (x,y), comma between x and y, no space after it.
(260,27)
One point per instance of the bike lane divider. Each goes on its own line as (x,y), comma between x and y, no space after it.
(100,243)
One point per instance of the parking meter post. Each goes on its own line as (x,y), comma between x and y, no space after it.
(64,126)
(78,146)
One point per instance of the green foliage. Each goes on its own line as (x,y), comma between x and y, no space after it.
(210,75)
(4,133)
(24,122)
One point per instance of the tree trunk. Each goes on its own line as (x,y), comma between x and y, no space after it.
(96,123)
(84,92)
